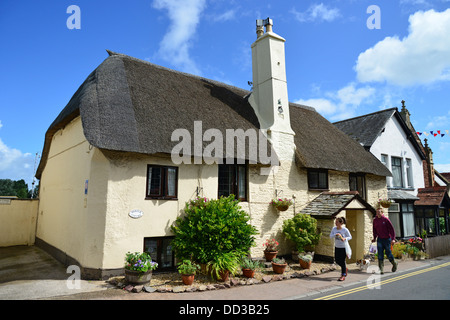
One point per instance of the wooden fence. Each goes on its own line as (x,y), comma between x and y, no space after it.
(437,246)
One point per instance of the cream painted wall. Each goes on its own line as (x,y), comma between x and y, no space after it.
(126,192)
(62,210)
(17,222)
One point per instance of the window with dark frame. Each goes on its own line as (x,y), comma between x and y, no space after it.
(160,249)
(233,180)
(317,179)
(357,182)
(162,182)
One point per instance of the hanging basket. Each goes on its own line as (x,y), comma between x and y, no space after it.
(385,204)
(282,207)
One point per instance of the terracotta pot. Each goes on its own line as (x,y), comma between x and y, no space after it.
(188,279)
(223,275)
(304,264)
(279,268)
(136,277)
(249,273)
(270,255)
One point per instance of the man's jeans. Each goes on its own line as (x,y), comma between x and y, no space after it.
(382,246)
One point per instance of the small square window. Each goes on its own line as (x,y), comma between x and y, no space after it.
(162,182)
(318,179)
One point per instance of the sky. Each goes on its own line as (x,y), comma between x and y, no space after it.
(343,57)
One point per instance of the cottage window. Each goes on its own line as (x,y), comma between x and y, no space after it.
(317,179)
(233,180)
(160,249)
(161,182)
(357,182)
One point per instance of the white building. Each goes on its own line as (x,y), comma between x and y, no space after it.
(386,135)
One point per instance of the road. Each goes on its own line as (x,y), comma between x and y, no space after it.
(428,283)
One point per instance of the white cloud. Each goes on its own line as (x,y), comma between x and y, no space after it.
(226,16)
(15,165)
(439,122)
(422,57)
(184,18)
(341,104)
(317,12)
(442,167)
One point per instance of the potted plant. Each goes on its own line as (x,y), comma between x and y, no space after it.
(249,267)
(270,249)
(281,204)
(302,231)
(223,265)
(139,267)
(305,261)
(187,269)
(279,265)
(385,203)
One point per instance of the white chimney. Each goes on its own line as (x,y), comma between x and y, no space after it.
(269,98)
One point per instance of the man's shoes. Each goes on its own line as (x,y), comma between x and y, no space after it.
(394,265)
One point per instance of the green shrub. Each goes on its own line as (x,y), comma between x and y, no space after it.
(302,230)
(215,228)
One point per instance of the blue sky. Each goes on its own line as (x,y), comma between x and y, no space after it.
(335,63)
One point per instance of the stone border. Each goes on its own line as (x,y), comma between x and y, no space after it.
(120,283)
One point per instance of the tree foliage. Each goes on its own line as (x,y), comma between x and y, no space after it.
(16,188)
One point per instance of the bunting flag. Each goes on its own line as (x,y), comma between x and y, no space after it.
(434,133)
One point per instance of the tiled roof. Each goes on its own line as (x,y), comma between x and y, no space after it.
(329,204)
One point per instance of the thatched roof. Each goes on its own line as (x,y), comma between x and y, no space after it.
(321,145)
(131,105)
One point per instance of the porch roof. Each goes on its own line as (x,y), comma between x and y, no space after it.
(328,204)
(433,196)
(401,195)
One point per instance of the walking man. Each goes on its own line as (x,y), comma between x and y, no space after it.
(384,234)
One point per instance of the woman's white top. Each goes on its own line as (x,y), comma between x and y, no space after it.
(338,243)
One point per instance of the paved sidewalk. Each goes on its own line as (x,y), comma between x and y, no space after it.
(279,290)
(30,273)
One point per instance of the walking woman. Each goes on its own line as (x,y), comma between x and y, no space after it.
(384,234)
(340,235)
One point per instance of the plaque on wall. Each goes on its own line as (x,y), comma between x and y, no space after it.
(135,214)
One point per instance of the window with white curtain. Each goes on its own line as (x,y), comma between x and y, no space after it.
(409,174)
(408,220)
(397,172)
